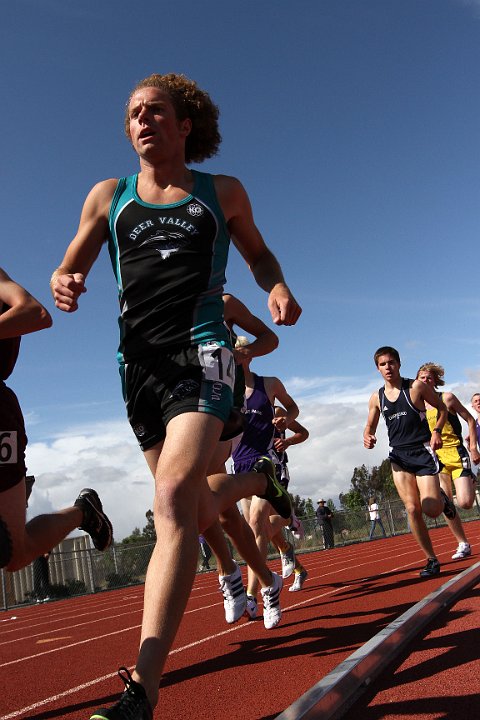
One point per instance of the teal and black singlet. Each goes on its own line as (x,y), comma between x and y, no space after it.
(169,262)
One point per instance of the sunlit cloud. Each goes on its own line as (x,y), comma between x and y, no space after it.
(105,454)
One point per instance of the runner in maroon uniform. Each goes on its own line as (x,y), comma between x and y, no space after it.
(22,542)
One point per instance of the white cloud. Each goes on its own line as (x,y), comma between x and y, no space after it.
(105,455)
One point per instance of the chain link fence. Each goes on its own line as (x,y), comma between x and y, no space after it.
(75,568)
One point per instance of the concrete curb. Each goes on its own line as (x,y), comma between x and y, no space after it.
(331,697)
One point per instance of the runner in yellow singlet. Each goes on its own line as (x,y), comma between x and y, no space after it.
(453,454)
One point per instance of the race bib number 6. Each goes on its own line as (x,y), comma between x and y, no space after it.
(8,447)
(217,363)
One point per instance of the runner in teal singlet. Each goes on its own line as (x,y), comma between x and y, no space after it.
(168,229)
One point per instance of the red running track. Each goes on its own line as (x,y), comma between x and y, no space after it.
(59,660)
(436,677)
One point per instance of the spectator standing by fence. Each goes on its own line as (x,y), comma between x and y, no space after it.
(324,521)
(375,519)
(41,578)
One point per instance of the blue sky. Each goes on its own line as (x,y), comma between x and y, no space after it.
(353,126)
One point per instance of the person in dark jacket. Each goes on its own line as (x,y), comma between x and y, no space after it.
(324,520)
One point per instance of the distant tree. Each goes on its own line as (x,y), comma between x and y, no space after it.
(309,508)
(302,507)
(148,531)
(366,483)
(298,505)
(135,537)
(361,482)
(352,500)
(382,481)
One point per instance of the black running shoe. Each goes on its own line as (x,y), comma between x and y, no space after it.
(449,509)
(133,703)
(276,494)
(431,568)
(95,522)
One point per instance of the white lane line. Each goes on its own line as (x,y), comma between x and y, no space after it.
(79,688)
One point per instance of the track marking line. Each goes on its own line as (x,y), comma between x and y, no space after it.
(235,628)
(66,647)
(309,599)
(70,627)
(79,688)
(54,619)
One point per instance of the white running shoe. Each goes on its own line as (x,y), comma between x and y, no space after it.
(251,609)
(234,597)
(463,550)
(298,582)
(271,602)
(288,561)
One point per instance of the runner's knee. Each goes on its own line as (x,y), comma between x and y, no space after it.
(465,492)
(413,509)
(432,507)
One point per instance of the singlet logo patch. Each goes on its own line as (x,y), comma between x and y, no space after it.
(166,243)
(195,210)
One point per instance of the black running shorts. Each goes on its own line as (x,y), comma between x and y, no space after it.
(192,379)
(418,460)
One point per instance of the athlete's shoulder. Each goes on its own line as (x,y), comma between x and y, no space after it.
(227,182)
(270,381)
(374,400)
(101,194)
(106,187)
(417,386)
(231,194)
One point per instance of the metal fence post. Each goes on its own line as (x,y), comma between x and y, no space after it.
(90,570)
(4,590)
(390,519)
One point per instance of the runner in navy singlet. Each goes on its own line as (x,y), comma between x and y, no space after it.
(412,447)
(168,229)
(22,542)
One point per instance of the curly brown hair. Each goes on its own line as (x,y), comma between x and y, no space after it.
(191,102)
